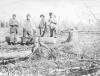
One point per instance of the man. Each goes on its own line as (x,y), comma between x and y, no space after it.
(13,23)
(42,25)
(52,24)
(28,29)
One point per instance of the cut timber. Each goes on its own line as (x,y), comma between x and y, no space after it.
(15,54)
(53,40)
(11,51)
(48,39)
(5,61)
(13,57)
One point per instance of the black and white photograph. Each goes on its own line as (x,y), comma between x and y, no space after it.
(49,37)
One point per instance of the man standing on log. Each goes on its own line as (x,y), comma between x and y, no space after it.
(42,25)
(52,24)
(13,23)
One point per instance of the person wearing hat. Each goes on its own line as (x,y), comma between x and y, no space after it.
(42,25)
(27,26)
(52,24)
(13,23)
(28,29)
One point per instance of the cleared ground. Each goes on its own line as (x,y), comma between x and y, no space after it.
(61,59)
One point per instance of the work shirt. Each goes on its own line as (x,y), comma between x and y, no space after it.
(28,25)
(52,22)
(42,24)
(13,22)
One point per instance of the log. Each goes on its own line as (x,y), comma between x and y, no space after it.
(5,61)
(48,40)
(13,56)
(53,40)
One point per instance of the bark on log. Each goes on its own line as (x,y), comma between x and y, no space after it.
(53,40)
(5,61)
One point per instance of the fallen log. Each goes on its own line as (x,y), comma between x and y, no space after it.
(66,37)
(13,56)
(53,40)
(5,61)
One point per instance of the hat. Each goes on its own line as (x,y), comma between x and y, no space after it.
(28,15)
(42,15)
(14,15)
(50,13)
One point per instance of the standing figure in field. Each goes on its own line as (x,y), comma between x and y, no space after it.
(52,24)
(28,28)
(42,25)
(13,23)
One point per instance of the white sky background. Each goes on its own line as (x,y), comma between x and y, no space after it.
(67,11)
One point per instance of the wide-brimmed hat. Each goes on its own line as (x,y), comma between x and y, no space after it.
(28,15)
(50,13)
(42,15)
(13,14)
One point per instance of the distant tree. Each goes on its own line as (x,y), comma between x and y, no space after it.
(2,24)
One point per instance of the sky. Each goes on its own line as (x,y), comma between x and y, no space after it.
(67,11)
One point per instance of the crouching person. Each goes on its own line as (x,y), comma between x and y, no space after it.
(13,23)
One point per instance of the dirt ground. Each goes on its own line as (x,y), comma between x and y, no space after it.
(57,63)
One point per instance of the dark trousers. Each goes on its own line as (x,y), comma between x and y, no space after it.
(42,32)
(13,30)
(52,30)
(27,33)
(27,36)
